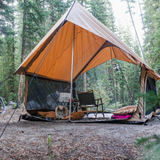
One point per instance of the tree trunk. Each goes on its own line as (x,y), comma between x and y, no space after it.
(122,97)
(144,28)
(142,17)
(136,31)
(115,95)
(12,69)
(20,87)
(95,75)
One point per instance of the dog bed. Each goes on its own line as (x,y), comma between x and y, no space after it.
(76,116)
(50,114)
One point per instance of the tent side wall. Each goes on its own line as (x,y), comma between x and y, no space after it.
(152,89)
(140,113)
(148,83)
(44,95)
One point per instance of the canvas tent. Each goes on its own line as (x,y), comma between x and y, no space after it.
(77,43)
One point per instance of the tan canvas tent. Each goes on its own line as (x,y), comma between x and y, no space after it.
(77,43)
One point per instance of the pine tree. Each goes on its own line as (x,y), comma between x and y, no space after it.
(127,78)
(130,7)
(98,9)
(152,39)
(56,9)
(7,42)
(32,29)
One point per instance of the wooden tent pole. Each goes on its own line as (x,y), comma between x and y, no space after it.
(71,75)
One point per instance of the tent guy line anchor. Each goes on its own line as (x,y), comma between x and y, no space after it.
(8,121)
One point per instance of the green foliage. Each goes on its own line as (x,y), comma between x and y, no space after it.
(49,138)
(7,39)
(49,149)
(22,26)
(126,79)
(100,79)
(141,140)
(112,106)
(99,91)
(151,99)
(152,146)
(151,143)
(98,10)
(14,106)
(56,9)
(102,10)
(33,22)
(152,39)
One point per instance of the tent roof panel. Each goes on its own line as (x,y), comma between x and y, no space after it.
(51,58)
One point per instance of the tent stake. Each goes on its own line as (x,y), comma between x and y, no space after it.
(70,104)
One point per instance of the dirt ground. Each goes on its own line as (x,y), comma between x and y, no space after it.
(26,140)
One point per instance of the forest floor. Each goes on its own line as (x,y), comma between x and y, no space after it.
(71,141)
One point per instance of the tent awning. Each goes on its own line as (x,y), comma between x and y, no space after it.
(94,45)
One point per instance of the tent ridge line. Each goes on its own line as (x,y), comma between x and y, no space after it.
(123,51)
(114,52)
(103,46)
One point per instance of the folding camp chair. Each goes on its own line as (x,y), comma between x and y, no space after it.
(87,100)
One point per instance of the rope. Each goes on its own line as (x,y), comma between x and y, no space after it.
(8,122)
(38,68)
(6,79)
(15,108)
(52,41)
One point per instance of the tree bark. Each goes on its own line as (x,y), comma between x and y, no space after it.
(115,95)
(144,28)
(20,86)
(136,31)
(12,69)
(142,17)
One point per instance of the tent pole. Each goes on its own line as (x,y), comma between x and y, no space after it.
(71,75)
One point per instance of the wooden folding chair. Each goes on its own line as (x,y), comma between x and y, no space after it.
(87,100)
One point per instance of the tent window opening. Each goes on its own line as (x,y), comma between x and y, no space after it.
(45,94)
(126,83)
(152,90)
